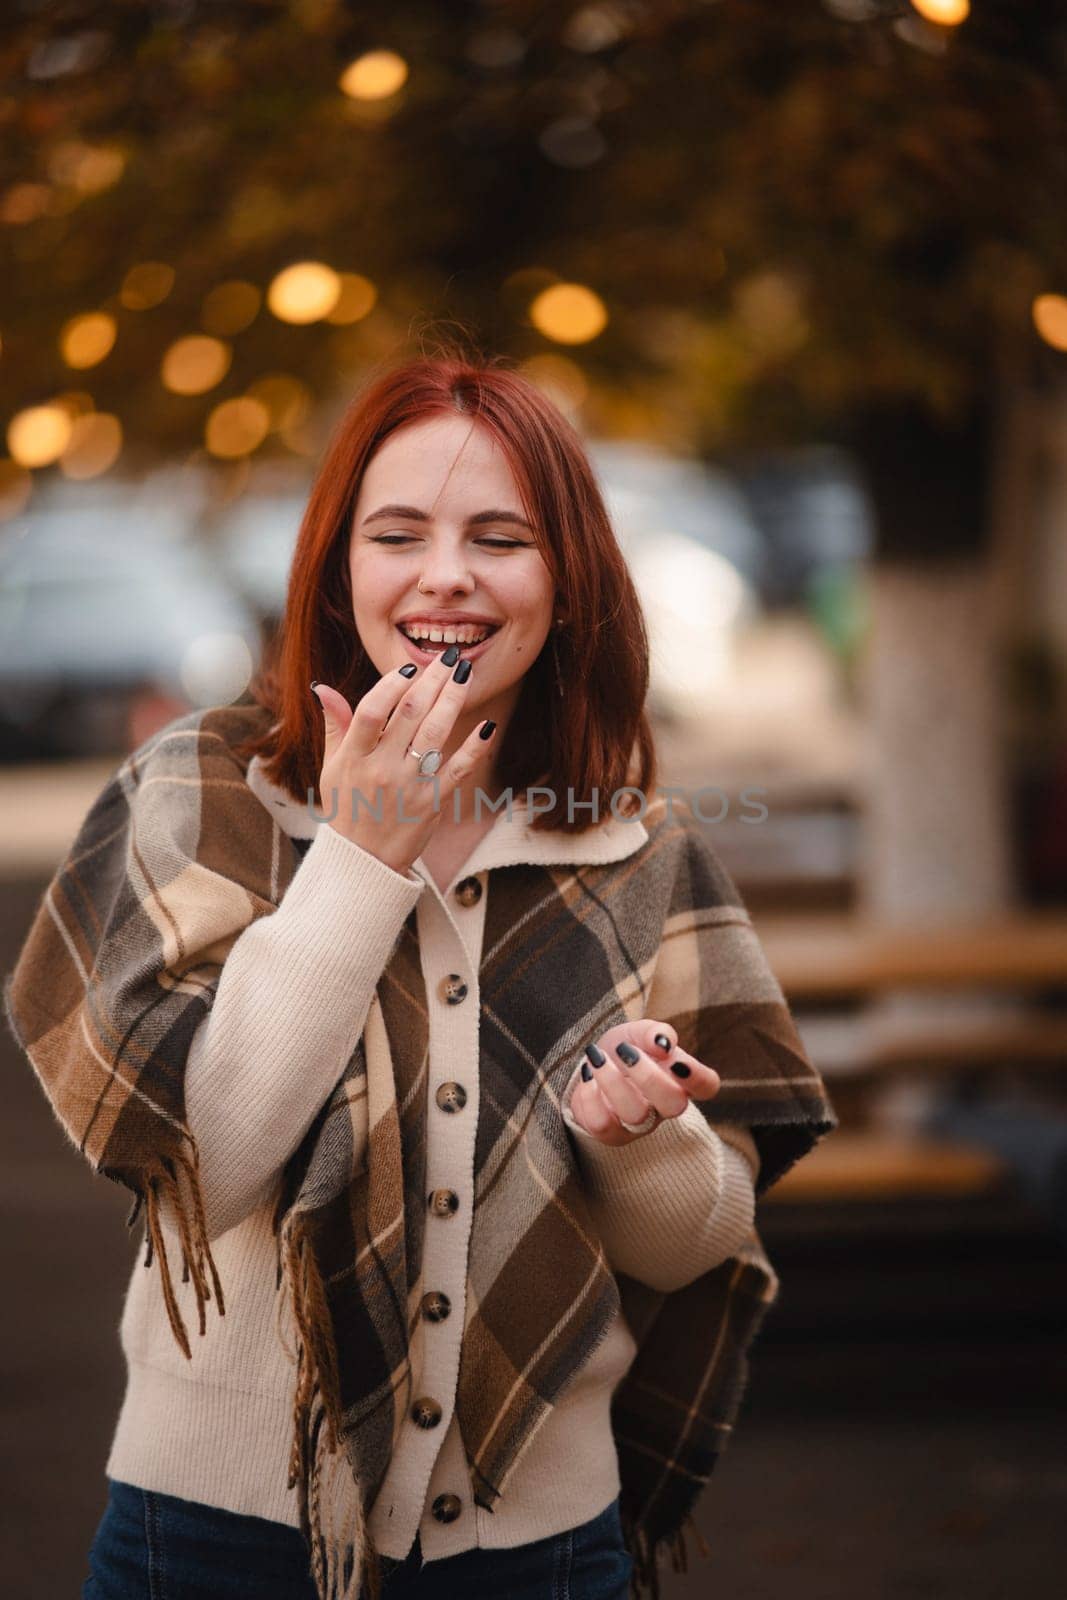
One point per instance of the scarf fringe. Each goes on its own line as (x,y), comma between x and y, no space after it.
(644,1580)
(161,1177)
(342,1560)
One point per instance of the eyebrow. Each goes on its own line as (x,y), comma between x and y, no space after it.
(413,514)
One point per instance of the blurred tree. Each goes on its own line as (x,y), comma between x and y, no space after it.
(819,220)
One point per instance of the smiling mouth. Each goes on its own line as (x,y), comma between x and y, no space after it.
(428,648)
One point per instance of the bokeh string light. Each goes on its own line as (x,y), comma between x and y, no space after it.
(195,364)
(87,340)
(236,427)
(305,292)
(569,313)
(374,76)
(39,435)
(947,13)
(1049,312)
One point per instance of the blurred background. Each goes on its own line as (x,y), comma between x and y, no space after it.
(798,273)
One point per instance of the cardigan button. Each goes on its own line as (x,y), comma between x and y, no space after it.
(426,1413)
(435,1306)
(468,891)
(447,1507)
(443,1202)
(451,1097)
(452,989)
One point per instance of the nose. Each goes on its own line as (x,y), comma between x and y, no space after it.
(445,572)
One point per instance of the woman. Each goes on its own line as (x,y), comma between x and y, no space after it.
(461,1111)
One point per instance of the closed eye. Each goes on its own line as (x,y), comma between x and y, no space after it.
(493,544)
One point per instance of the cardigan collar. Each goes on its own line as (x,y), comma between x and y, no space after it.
(511,841)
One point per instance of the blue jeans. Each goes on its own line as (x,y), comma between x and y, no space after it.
(154,1547)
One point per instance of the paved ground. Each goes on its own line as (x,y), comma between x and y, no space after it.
(884,1452)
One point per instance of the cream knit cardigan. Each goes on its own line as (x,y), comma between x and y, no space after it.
(291,1004)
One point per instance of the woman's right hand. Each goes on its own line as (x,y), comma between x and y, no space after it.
(365,751)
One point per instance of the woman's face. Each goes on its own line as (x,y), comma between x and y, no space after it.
(439,505)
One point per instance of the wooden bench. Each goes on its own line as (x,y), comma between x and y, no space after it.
(816,956)
(856,1047)
(819,958)
(863,1165)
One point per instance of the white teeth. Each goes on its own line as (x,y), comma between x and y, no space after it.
(445,635)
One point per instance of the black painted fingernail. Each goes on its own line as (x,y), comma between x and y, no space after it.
(451,656)
(595,1054)
(663,1042)
(627,1053)
(586,1072)
(314,686)
(487,731)
(409,670)
(463,671)
(679,1069)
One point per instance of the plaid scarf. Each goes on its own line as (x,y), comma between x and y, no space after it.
(174,860)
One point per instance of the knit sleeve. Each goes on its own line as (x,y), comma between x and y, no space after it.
(673,1203)
(292,1001)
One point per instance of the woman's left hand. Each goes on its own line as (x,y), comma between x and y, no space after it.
(621,1091)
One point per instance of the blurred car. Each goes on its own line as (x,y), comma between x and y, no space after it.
(814,515)
(255,540)
(647,491)
(110,620)
(697,560)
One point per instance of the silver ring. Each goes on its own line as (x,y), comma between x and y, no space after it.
(428,763)
(646,1125)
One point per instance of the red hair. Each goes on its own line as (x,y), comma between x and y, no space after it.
(597,736)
